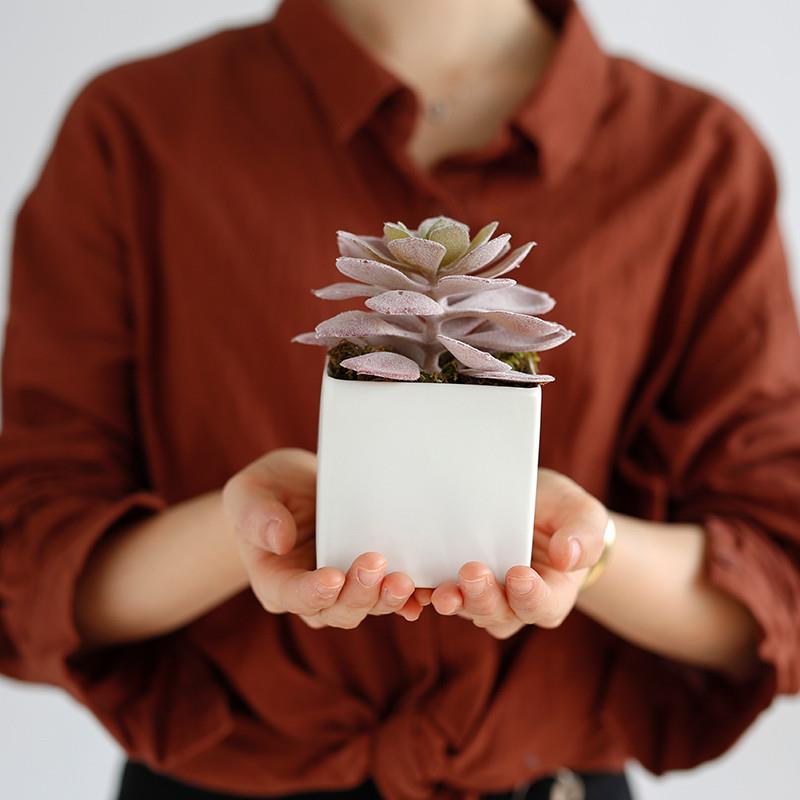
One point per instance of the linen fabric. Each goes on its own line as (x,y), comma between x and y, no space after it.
(161,265)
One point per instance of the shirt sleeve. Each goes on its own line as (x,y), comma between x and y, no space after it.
(71,460)
(713,437)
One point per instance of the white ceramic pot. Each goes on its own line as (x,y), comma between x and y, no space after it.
(430,475)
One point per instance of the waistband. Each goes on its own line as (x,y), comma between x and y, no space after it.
(138,782)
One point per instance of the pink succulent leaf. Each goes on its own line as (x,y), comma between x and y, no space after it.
(472,357)
(353,246)
(481,256)
(401,301)
(416,352)
(378,244)
(324,341)
(510,376)
(520,324)
(376,274)
(406,322)
(310,337)
(505,341)
(520,299)
(461,284)
(345,291)
(554,339)
(512,261)
(391,366)
(460,327)
(483,235)
(362,323)
(422,254)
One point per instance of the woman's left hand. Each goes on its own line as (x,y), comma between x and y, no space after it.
(567,542)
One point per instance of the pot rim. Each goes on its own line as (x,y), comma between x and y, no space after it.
(426,386)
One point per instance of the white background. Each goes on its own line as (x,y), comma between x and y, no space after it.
(50,749)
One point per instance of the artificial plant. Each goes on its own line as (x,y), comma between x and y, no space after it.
(439,307)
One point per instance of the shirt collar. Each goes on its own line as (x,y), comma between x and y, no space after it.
(349,84)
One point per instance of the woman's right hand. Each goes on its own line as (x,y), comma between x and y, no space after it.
(271,504)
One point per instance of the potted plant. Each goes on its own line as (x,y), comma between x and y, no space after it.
(430,403)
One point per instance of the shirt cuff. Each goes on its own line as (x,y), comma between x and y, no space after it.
(670,715)
(744,562)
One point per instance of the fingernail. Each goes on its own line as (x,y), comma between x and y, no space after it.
(391,597)
(476,586)
(574,552)
(521,585)
(368,577)
(271,535)
(328,591)
(450,608)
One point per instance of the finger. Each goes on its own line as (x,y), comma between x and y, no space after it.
(505,630)
(310,592)
(287,583)
(359,594)
(483,598)
(411,611)
(423,596)
(303,593)
(447,598)
(526,592)
(395,591)
(313,621)
(557,597)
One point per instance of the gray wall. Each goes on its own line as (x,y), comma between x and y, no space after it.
(50,747)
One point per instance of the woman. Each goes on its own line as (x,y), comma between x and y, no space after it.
(162,264)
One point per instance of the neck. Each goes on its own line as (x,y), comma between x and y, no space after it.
(433,46)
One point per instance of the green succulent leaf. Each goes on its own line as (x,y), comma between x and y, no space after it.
(395,230)
(483,235)
(453,235)
(425,226)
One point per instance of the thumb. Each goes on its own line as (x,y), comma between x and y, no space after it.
(257,504)
(574,519)
(268,525)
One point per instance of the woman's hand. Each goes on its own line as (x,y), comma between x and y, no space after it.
(568,540)
(271,504)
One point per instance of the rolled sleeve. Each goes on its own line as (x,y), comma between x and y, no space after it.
(713,438)
(72,465)
(750,566)
(38,612)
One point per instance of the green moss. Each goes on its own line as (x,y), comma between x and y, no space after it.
(522,362)
(448,366)
(448,371)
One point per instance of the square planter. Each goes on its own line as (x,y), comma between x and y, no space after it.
(430,475)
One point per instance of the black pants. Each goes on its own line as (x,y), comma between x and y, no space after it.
(139,783)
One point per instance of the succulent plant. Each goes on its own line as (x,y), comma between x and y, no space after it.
(435,291)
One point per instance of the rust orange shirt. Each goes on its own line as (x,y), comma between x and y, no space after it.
(164,260)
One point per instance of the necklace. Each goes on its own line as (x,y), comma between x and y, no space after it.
(437,110)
